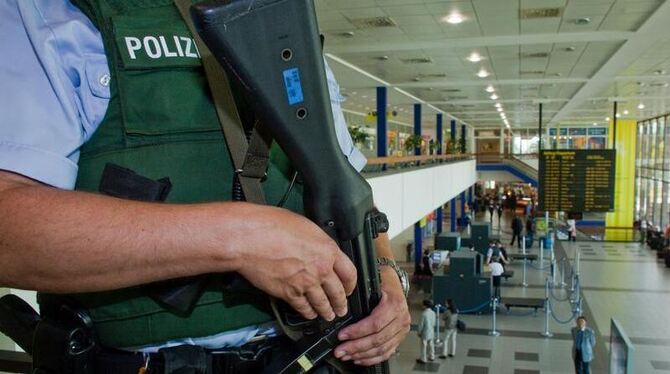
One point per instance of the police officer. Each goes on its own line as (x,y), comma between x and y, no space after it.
(98,81)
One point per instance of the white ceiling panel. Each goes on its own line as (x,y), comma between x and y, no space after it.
(550,59)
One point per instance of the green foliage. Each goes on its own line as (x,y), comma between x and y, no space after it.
(358,136)
(453,147)
(412,142)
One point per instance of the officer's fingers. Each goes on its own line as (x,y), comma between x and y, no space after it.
(381,353)
(346,271)
(335,292)
(380,317)
(377,344)
(302,306)
(319,301)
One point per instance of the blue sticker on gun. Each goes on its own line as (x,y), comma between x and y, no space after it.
(293,86)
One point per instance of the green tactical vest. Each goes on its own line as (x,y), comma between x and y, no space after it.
(161,123)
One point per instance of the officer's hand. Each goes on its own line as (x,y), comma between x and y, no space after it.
(375,338)
(294,260)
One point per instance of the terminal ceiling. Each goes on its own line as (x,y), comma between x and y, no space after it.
(574,56)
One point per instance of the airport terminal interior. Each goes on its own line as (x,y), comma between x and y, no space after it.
(546,122)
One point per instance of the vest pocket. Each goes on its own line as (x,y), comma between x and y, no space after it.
(162,87)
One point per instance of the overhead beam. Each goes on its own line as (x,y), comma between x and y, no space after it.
(482,41)
(647,35)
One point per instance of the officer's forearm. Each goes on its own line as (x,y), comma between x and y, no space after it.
(62,241)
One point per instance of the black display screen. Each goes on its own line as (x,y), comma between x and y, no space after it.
(577,180)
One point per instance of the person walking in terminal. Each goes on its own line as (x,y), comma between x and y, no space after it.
(584,340)
(427,332)
(517,229)
(497,271)
(499,208)
(572,229)
(450,322)
(492,209)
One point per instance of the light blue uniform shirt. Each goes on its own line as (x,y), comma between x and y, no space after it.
(54,92)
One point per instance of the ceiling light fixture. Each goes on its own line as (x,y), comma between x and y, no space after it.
(494,97)
(498,105)
(607,119)
(625,112)
(474,57)
(500,109)
(454,18)
(595,124)
(641,106)
(618,115)
(483,73)
(490,89)
(582,21)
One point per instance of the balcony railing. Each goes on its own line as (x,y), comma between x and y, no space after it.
(401,163)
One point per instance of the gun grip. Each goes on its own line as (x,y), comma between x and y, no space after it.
(18,321)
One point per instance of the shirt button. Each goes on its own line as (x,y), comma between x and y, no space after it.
(104,80)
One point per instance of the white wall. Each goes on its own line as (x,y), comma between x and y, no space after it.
(408,197)
(532,162)
(498,176)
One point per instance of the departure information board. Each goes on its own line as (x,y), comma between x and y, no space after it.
(577,180)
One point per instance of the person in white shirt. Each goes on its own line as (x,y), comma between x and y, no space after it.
(426,332)
(497,271)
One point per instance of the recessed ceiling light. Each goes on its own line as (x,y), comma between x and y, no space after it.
(474,57)
(494,97)
(582,21)
(483,73)
(618,115)
(490,89)
(500,109)
(498,105)
(625,112)
(570,49)
(595,124)
(641,106)
(454,18)
(607,118)
(383,58)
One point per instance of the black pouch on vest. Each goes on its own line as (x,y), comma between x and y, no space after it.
(177,295)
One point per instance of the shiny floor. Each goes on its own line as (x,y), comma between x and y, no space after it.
(619,280)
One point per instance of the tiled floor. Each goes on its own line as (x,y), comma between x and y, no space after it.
(619,280)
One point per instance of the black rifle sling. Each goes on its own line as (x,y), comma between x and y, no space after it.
(250,159)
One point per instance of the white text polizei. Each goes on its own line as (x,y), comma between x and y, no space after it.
(160,46)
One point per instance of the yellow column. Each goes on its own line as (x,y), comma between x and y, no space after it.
(619,223)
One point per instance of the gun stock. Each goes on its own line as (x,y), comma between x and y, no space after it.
(272,47)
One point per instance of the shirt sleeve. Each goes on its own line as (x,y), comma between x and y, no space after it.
(354,155)
(53,93)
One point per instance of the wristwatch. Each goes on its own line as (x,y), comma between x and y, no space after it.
(402,275)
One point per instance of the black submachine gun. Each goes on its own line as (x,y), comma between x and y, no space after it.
(272,47)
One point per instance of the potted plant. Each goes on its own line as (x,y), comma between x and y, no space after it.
(358,136)
(411,143)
